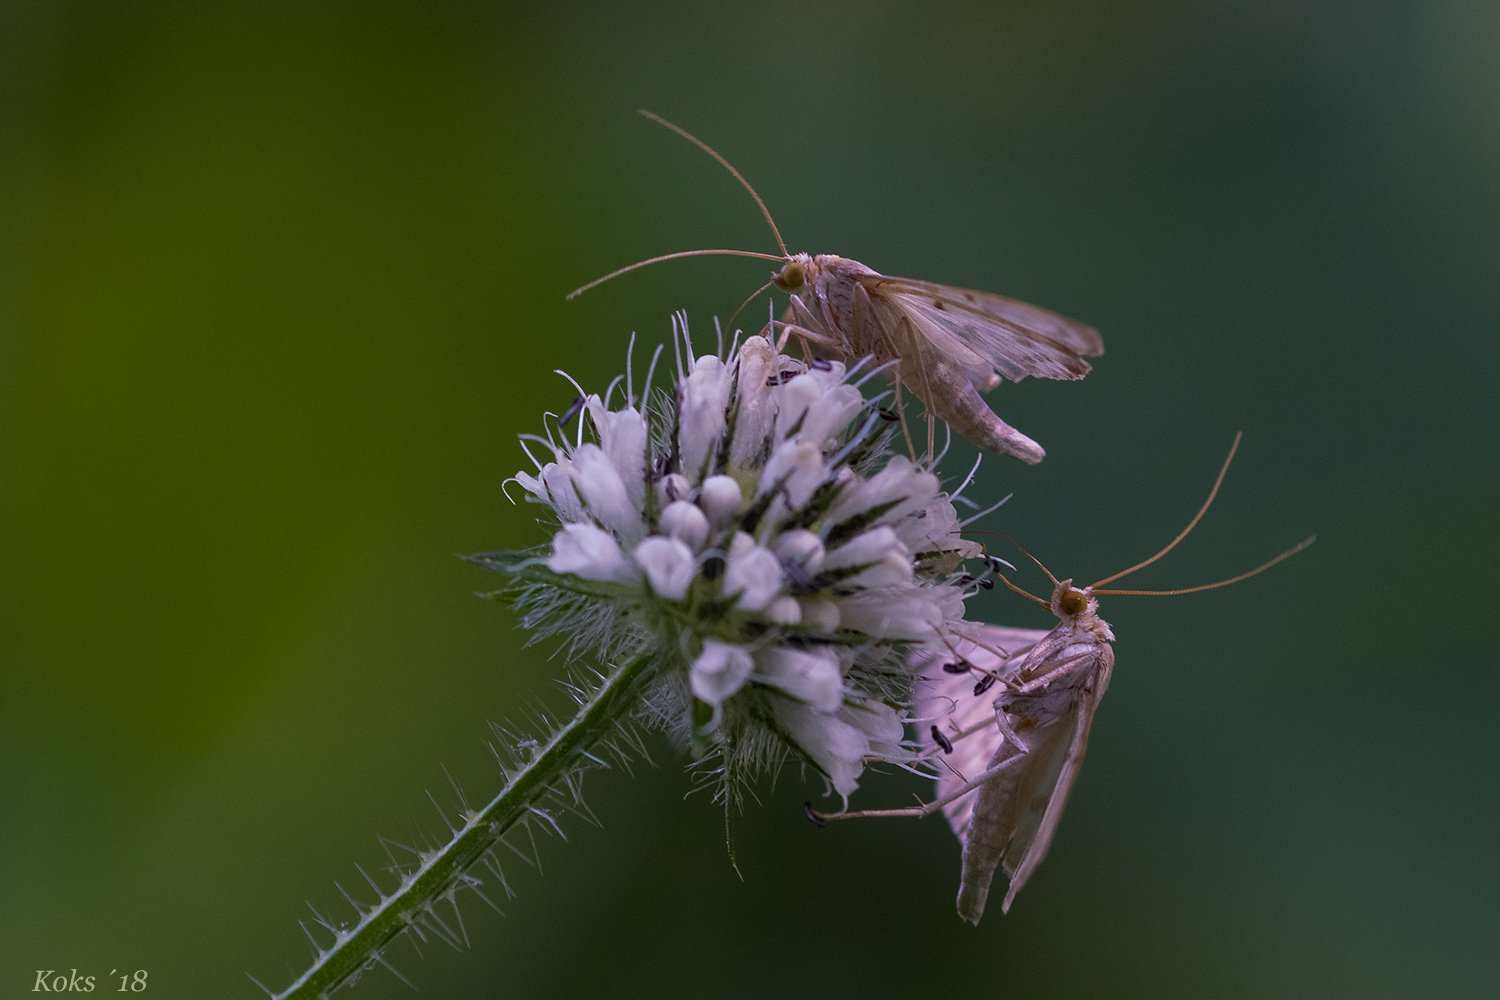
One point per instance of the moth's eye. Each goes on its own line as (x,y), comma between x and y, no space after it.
(1072,603)
(791,277)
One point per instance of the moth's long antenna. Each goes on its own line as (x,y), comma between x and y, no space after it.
(749,300)
(1023,593)
(670,256)
(1191,524)
(727,166)
(1023,552)
(1222,583)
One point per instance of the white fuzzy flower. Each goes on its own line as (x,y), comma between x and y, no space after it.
(774,556)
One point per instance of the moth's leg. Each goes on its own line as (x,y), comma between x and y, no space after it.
(901,412)
(1009,731)
(803,321)
(1067,667)
(926,809)
(913,348)
(1004,656)
(787,329)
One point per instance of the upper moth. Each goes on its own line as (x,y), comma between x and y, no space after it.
(945,345)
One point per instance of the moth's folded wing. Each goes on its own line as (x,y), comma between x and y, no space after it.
(1034,836)
(1019,339)
(1008,813)
(948,702)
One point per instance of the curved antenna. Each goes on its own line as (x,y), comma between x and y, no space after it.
(1222,583)
(727,166)
(1023,593)
(670,256)
(733,315)
(1023,552)
(1191,524)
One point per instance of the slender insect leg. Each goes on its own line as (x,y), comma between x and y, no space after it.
(931,424)
(787,329)
(928,808)
(1008,732)
(901,412)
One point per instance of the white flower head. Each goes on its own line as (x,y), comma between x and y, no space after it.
(749,525)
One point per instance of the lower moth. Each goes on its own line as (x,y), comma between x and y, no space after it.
(1013,709)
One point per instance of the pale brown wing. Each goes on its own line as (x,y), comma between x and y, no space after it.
(948,701)
(1034,835)
(1017,338)
(1011,810)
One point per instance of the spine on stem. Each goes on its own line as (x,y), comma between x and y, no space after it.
(439,874)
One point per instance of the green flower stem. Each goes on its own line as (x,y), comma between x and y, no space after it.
(443,868)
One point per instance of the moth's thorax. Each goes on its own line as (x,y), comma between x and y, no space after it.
(829,294)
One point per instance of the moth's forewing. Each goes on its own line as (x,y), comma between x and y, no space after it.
(1025,853)
(949,342)
(1010,810)
(1017,338)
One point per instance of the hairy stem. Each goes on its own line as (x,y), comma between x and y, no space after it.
(443,869)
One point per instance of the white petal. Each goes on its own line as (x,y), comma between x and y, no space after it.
(557,479)
(796,470)
(757,408)
(812,677)
(683,520)
(622,436)
(887,562)
(900,482)
(821,615)
(719,671)
(603,493)
(881,725)
(586,551)
(753,572)
(720,498)
(897,613)
(801,548)
(671,487)
(669,566)
(784,611)
(838,747)
(704,394)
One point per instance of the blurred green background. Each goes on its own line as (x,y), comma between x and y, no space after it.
(280,283)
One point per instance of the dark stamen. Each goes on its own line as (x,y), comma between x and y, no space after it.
(941,740)
(985,684)
(812,815)
(574,408)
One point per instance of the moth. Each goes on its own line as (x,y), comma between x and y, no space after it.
(945,345)
(1015,708)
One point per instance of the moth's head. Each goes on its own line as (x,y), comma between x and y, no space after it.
(795,273)
(1068,602)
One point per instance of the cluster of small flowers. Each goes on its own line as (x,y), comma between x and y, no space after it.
(753,526)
